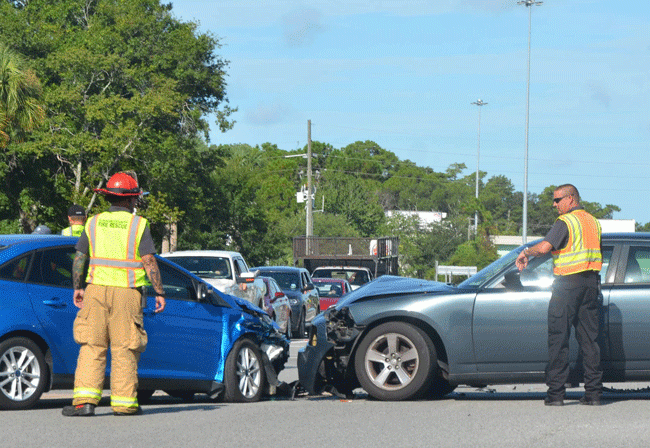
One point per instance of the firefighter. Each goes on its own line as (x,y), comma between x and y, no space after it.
(76,218)
(118,247)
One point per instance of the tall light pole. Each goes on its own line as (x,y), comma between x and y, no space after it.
(479,103)
(524,233)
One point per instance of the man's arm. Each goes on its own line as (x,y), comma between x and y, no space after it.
(541,248)
(78,271)
(153,272)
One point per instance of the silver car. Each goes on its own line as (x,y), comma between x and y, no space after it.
(402,338)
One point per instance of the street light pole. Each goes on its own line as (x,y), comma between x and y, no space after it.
(479,103)
(309,225)
(524,233)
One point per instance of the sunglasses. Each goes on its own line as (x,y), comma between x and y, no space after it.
(557,200)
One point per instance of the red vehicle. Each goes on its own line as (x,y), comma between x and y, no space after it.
(330,290)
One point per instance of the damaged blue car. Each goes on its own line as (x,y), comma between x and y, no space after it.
(204,341)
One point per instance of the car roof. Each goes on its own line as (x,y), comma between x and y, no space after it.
(328,280)
(202,253)
(278,269)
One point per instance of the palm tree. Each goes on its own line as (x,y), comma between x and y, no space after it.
(20,111)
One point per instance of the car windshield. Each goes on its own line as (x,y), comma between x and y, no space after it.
(488,272)
(286,280)
(205,267)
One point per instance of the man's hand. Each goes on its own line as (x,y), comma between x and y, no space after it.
(522,260)
(78,298)
(160,304)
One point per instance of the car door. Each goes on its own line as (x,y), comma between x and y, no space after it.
(312,298)
(185,339)
(50,290)
(510,322)
(629,309)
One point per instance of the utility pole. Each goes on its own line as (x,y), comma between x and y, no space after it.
(310,224)
(479,103)
(524,232)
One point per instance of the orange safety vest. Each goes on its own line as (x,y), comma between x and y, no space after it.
(114,240)
(582,252)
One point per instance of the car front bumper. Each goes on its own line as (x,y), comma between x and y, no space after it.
(325,360)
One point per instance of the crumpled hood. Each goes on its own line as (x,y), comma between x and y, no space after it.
(391,285)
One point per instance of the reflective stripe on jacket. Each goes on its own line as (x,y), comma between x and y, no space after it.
(582,252)
(114,240)
(73,230)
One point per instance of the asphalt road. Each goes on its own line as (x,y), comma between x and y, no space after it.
(502,416)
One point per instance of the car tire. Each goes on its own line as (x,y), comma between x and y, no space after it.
(288,333)
(244,376)
(23,373)
(439,388)
(302,327)
(395,361)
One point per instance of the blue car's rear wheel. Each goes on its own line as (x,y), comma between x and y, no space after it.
(23,373)
(395,361)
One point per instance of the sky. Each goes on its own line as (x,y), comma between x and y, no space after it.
(404,74)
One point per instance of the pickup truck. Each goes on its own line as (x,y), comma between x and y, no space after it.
(225,270)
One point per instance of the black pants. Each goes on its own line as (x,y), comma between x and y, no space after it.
(575,302)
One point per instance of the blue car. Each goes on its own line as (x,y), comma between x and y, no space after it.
(204,341)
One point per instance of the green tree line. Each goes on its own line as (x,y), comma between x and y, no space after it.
(92,87)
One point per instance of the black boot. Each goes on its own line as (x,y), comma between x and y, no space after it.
(80,410)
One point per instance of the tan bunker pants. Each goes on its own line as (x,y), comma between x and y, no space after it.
(110,315)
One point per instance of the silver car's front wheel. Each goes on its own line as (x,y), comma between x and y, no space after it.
(22,373)
(391,361)
(395,361)
(244,375)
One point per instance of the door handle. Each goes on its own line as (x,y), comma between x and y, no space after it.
(55,303)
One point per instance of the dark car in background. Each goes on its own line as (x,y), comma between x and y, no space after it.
(330,290)
(296,283)
(203,342)
(402,338)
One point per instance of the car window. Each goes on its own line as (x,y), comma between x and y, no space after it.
(638,265)
(241,265)
(53,267)
(175,284)
(204,267)
(16,269)
(286,280)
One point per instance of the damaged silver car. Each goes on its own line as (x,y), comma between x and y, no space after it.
(401,338)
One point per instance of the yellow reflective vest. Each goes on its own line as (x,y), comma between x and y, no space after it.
(73,230)
(114,240)
(582,252)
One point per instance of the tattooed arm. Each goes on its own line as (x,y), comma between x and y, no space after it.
(78,271)
(153,272)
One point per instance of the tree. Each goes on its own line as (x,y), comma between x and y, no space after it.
(126,85)
(20,90)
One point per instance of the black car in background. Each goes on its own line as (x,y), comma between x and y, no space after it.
(303,296)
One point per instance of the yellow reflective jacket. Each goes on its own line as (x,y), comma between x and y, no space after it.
(114,241)
(582,252)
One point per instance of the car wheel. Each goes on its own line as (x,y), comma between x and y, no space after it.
(23,373)
(288,332)
(301,326)
(440,388)
(395,361)
(244,373)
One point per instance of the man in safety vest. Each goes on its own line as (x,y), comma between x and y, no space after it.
(574,241)
(121,251)
(76,218)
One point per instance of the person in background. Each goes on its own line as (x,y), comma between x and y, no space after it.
(76,218)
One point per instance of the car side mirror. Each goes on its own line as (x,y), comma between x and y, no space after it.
(309,287)
(203,291)
(512,281)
